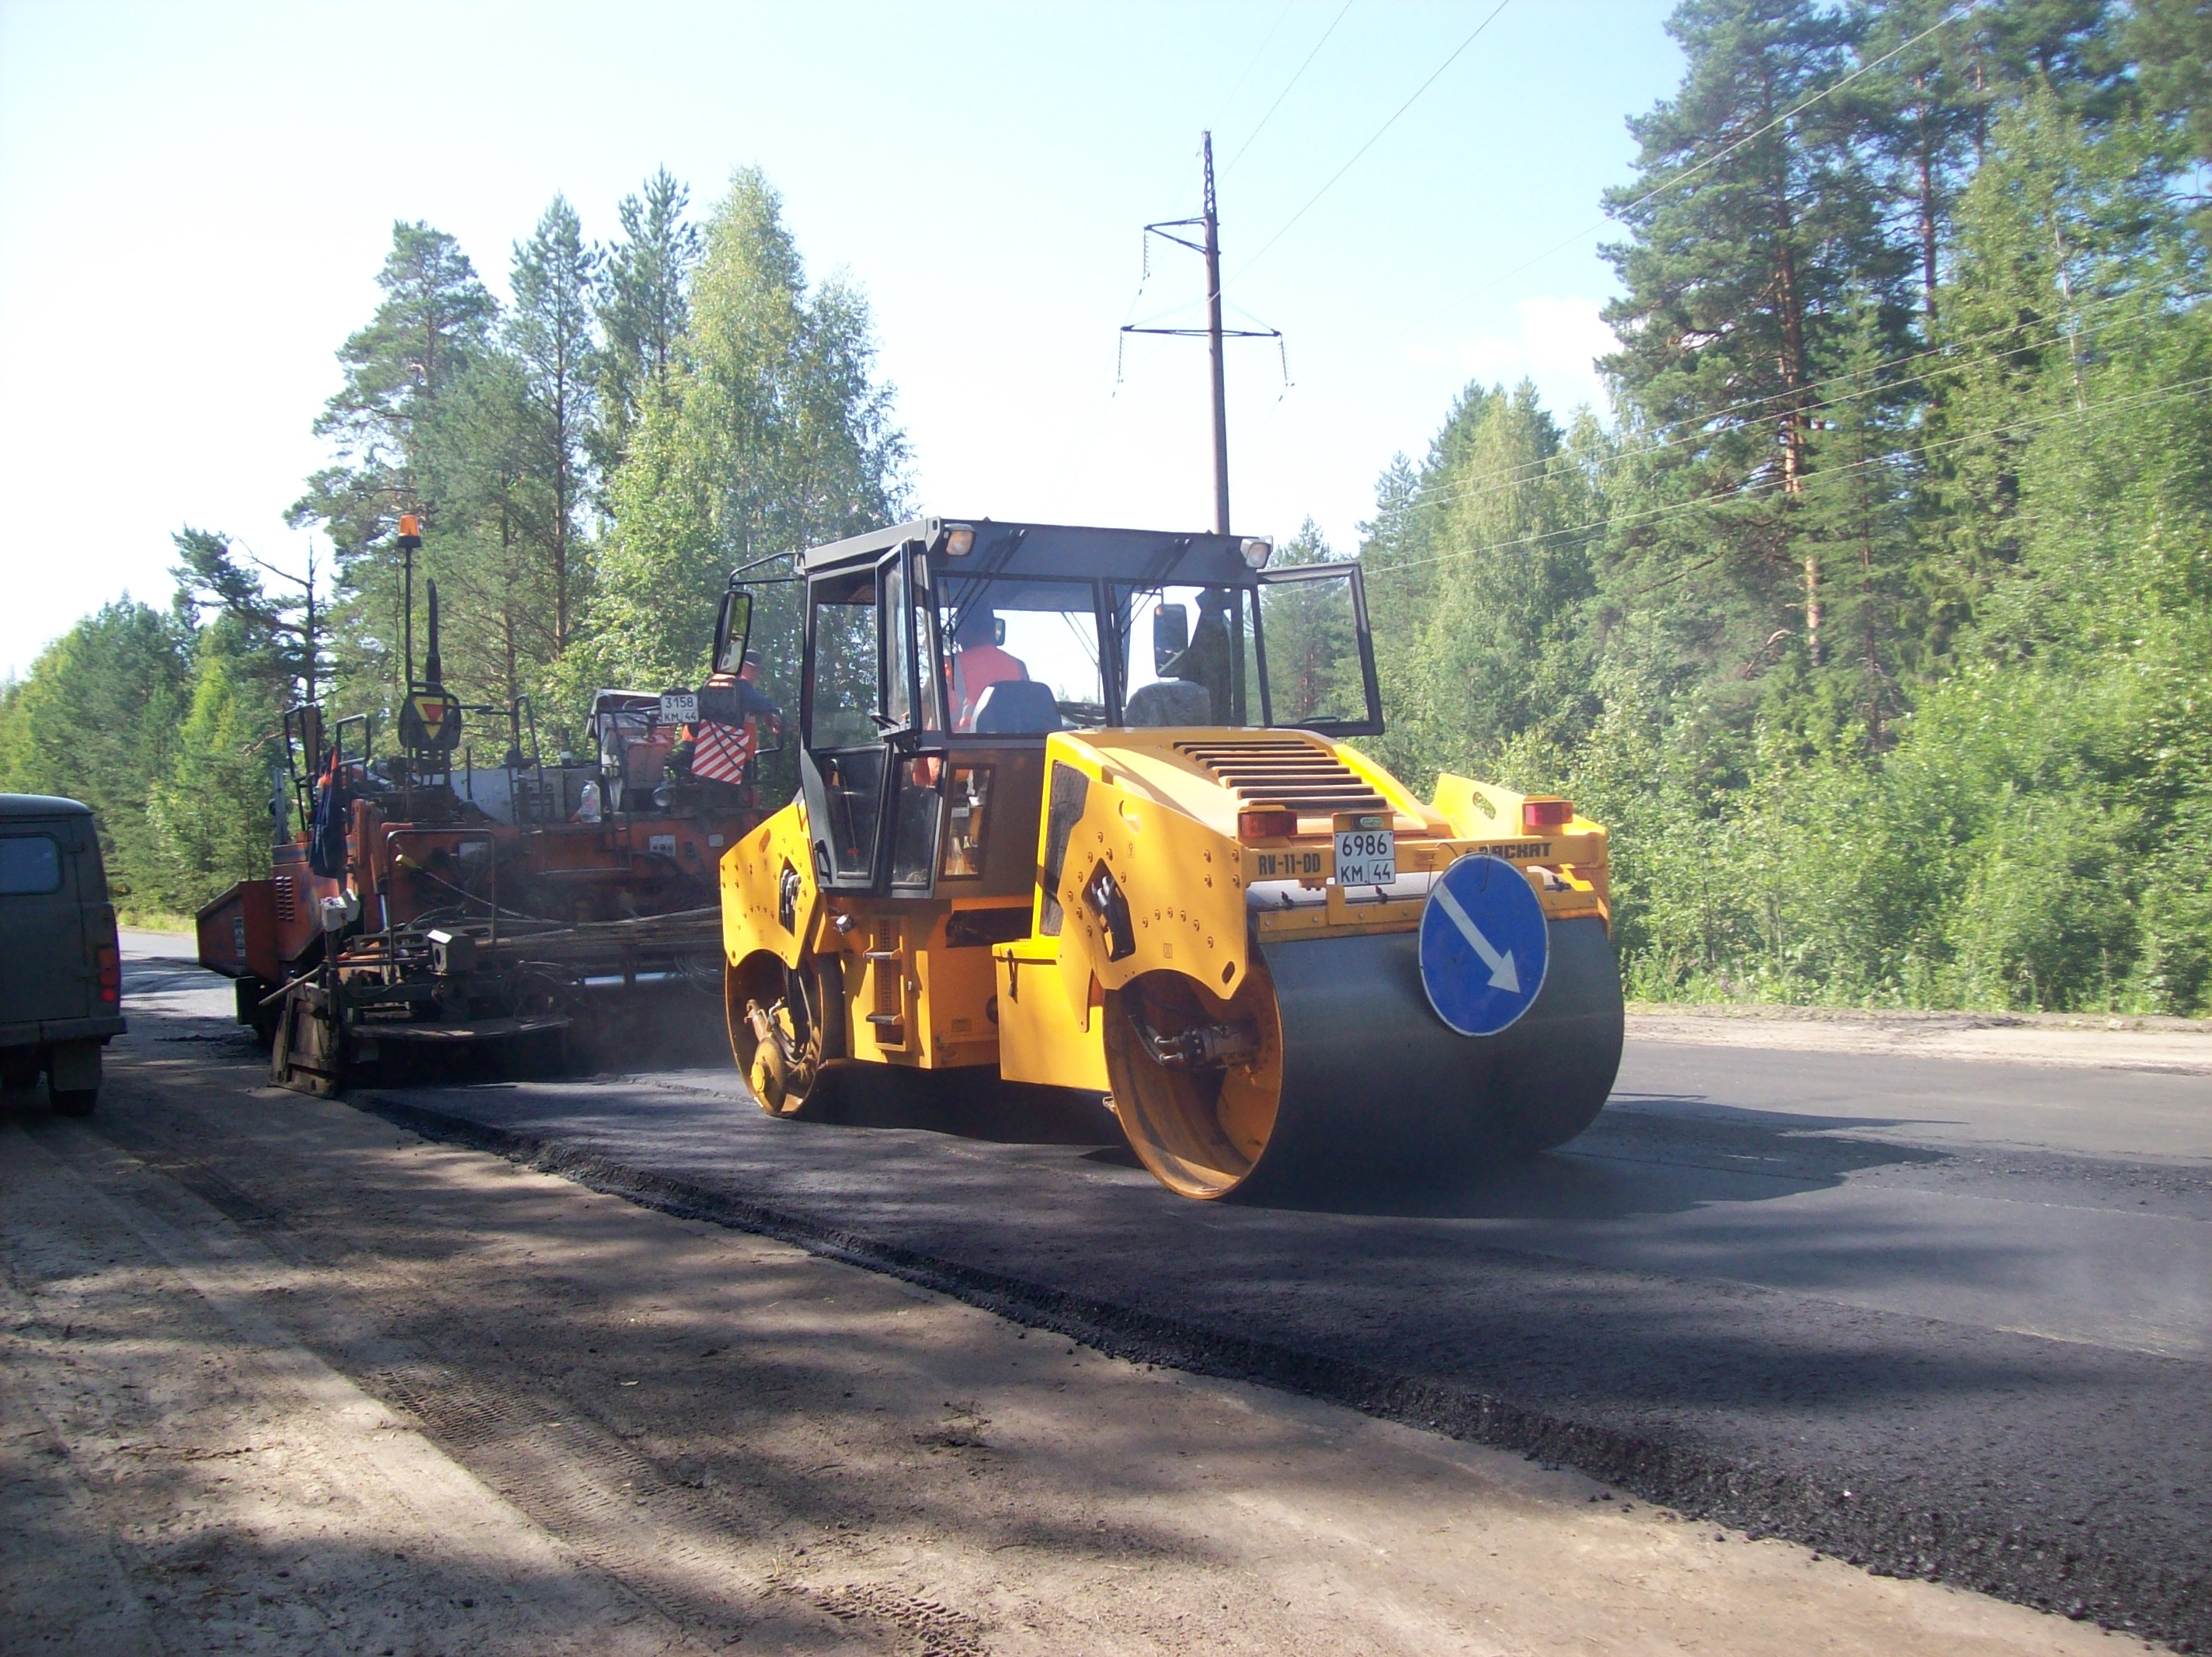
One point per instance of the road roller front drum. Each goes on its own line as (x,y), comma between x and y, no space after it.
(1330,1074)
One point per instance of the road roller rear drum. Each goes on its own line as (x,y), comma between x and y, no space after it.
(785,1028)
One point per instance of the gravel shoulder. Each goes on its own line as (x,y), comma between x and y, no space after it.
(2179,1046)
(276,1375)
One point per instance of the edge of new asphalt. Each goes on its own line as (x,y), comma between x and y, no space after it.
(2044,1563)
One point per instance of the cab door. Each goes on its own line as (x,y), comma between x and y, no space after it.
(914,689)
(1316,657)
(863,704)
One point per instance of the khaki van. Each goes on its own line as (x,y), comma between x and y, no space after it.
(61,971)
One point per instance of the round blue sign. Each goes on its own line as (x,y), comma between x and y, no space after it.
(1484,945)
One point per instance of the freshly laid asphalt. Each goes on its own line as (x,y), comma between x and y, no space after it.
(1943,1318)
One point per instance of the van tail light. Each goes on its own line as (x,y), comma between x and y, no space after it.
(109,964)
(1266,822)
(1540,815)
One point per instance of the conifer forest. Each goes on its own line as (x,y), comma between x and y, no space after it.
(1873,616)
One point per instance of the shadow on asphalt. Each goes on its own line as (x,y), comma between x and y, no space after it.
(966,1105)
(1630,1163)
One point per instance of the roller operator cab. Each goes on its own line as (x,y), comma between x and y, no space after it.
(1079,805)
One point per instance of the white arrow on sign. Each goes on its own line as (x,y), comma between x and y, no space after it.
(1502,975)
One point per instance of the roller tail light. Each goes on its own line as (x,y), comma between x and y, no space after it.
(108,960)
(1542,816)
(1256,823)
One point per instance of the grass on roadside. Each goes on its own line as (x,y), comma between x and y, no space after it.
(152,920)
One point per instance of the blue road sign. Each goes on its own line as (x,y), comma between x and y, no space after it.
(1484,945)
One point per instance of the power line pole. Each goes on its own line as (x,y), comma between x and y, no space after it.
(1213,343)
(1209,223)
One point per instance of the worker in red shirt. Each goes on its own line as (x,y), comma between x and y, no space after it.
(978,663)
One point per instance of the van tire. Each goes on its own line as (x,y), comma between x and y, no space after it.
(75,1102)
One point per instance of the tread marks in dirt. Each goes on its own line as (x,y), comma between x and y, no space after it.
(1881,1524)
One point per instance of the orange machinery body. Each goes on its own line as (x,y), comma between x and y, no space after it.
(267,929)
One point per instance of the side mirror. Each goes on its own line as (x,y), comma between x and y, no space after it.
(732,630)
(1170,635)
(998,630)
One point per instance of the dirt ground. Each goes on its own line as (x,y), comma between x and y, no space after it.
(276,1376)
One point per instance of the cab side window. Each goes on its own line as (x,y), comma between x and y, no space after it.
(845,682)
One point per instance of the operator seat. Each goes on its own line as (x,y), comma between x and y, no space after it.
(1169,703)
(1018,707)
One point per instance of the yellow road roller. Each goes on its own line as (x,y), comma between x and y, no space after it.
(1079,807)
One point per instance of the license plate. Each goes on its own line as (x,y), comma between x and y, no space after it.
(680,708)
(1366,851)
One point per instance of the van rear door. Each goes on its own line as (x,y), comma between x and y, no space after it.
(46,969)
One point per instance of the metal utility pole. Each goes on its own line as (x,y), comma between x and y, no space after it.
(1213,343)
(1209,221)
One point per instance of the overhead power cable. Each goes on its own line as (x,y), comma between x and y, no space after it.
(1286,92)
(1718,156)
(1370,143)
(1266,40)
(2155,395)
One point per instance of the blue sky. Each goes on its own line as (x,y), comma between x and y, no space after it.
(194,200)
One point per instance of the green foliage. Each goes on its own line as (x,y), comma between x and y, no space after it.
(1876,626)
(1478,565)
(279,637)
(401,374)
(772,435)
(644,309)
(1883,635)
(210,815)
(2171,43)
(548,331)
(739,419)
(1313,641)
(97,720)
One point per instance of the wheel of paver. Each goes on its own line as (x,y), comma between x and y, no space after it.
(1338,1076)
(786,1027)
(304,1055)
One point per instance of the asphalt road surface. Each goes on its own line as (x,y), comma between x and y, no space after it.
(1944,1318)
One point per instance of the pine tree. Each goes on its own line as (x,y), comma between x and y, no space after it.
(1857,513)
(1478,564)
(643,310)
(1922,113)
(775,436)
(2171,41)
(434,320)
(1751,226)
(2058,246)
(549,329)
(488,552)
(1313,648)
(434,317)
(280,637)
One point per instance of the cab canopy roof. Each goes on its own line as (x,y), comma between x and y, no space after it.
(41,805)
(1143,557)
